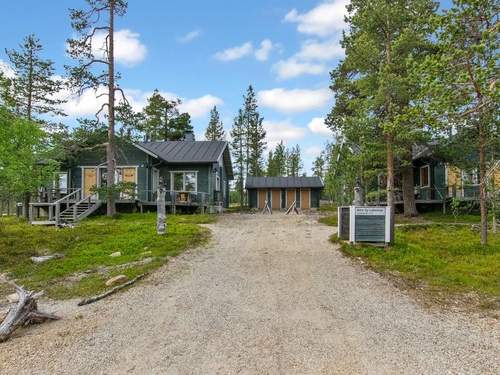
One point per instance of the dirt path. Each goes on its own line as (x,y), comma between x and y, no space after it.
(270,295)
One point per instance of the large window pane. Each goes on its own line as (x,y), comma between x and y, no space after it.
(178,181)
(190,181)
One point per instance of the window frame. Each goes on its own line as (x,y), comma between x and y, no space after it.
(172,182)
(428,176)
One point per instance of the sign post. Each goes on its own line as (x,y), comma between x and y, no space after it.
(365,224)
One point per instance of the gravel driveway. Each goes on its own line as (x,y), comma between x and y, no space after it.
(269,295)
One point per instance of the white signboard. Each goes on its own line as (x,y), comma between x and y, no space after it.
(370,211)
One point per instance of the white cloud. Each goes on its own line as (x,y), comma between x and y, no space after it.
(292,68)
(235,53)
(189,37)
(277,131)
(322,51)
(128,48)
(325,19)
(266,46)
(199,107)
(297,100)
(6,69)
(89,103)
(317,125)
(313,151)
(246,49)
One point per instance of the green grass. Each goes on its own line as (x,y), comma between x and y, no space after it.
(445,259)
(329,220)
(86,263)
(330,208)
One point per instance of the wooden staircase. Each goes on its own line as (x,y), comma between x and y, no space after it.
(78,211)
(75,207)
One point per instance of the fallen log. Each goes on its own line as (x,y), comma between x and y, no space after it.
(98,297)
(24,313)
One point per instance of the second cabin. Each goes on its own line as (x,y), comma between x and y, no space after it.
(282,192)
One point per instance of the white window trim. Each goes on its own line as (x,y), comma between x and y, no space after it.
(184,181)
(428,176)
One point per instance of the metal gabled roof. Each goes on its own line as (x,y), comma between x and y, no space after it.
(182,152)
(283,182)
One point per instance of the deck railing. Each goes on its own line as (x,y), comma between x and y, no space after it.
(177,197)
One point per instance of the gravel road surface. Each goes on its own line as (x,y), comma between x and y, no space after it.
(269,295)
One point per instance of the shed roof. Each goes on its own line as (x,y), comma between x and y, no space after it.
(283,182)
(183,152)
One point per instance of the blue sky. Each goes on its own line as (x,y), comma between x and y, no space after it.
(208,53)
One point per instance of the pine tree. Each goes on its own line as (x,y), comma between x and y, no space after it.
(280,159)
(460,83)
(238,135)
(215,129)
(34,85)
(294,161)
(95,71)
(271,169)
(255,134)
(319,166)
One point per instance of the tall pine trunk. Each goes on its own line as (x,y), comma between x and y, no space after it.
(110,148)
(409,205)
(391,202)
(482,184)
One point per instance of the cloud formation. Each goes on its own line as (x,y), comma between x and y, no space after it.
(235,53)
(285,131)
(247,49)
(325,19)
(266,46)
(189,37)
(129,50)
(293,67)
(317,125)
(292,101)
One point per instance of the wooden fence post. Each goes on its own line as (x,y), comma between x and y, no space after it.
(161,222)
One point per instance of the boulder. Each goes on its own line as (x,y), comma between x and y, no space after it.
(45,258)
(116,280)
(115,254)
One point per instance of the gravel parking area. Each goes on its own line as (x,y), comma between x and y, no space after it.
(269,295)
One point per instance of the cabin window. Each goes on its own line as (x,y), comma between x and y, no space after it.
(471,177)
(217,181)
(184,181)
(61,182)
(425,176)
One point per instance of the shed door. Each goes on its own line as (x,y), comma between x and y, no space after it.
(305,198)
(276,193)
(262,197)
(89,180)
(290,197)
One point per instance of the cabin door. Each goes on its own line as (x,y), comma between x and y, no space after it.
(89,180)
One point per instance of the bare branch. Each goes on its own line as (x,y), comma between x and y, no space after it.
(100,110)
(123,95)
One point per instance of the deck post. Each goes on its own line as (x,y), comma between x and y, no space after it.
(30,208)
(74,212)
(58,213)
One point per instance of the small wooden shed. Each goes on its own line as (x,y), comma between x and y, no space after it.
(281,192)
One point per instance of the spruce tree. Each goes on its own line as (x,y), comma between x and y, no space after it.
(215,129)
(34,85)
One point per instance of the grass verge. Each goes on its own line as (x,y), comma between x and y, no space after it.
(444,260)
(86,263)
